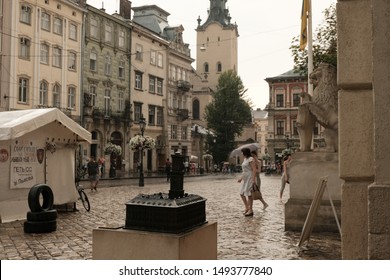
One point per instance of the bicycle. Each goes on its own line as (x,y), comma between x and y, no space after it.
(83,196)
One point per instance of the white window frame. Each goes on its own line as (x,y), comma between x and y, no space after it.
(160,60)
(108,33)
(45,21)
(121,101)
(43,90)
(138,80)
(71,101)
(45,49)
(72,61)
(107,102)
(92,92)
(23,89)
(25,44)
(139,52)
(121,39)
(57,95)
(57,26)
(73,31)
(121,69)
(94,28)
(107,65)
(153,57)
(25,14)
(57,57)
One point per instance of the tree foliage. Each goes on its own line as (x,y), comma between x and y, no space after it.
(227,115)
(324,44)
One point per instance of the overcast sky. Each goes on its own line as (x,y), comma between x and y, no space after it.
(266,29)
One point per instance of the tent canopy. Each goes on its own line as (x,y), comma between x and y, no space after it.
(14,124)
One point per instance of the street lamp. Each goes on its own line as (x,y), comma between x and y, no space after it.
(142,125)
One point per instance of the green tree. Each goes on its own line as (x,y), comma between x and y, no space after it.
(324,44)
(227,115)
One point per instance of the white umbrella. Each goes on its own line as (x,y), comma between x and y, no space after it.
(192,157)
(250,146)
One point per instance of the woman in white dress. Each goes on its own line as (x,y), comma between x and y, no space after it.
(248,178)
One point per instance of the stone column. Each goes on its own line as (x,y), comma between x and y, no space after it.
(379,191)
(364,99)
(356,141)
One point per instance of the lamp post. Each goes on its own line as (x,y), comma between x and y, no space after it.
(142,125)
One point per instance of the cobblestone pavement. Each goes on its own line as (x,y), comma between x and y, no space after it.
(259,237)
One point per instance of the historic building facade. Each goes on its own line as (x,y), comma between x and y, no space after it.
(40,55)
(284,98)
(161,67)
(106,83)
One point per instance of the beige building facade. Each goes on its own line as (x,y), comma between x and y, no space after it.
(364,146)
(41,47)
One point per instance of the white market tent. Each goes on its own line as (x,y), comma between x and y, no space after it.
(37,146)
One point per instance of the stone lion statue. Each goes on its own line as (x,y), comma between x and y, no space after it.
(322,107)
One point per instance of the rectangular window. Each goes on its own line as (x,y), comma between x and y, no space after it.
(159,120)
(107,101)
(295,129)
(121,39)
(279,127)
(107,66)
(121,102)
(24,48)
(25,14)
(57,26)
(160,60)
(121,69)
(173,131)
(71,98)
(159,86)
(152,84)
(152,111)
(138,80)
(56,96)
(184,133)
(94,28)
(44,54)
(92,61)
(279,100)
(73,31)
(138,52)
(43,93)
(137,111)
(45,21)
(23,90)
(153,57)
(92,93)
(72,61)
(57,57)
(296,99)
(108,33)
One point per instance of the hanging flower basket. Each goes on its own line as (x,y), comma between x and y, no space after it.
(207,157)
(140,142)
(112,149)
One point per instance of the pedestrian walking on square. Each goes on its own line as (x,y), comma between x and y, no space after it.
(93,173)
(247,179)
(286,174)
(258,180)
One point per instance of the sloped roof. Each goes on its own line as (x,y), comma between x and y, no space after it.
(291,74)
(14,124)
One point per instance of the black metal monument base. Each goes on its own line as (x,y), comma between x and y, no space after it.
(159,213)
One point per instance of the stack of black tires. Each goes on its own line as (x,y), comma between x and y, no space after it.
(42,217)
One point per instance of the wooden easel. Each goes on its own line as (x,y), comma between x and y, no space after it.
(315,205)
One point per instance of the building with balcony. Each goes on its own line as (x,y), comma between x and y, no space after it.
(106,81)
(160,84)
(284,98)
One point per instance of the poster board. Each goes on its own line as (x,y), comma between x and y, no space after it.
(315,205)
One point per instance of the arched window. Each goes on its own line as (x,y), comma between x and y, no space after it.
(43,93)
(206,67)
(196,109)
(219,67)
(57,95)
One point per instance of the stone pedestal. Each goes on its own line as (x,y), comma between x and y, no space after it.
(306,170)
(122,244)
